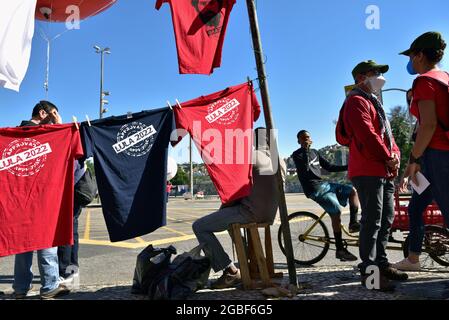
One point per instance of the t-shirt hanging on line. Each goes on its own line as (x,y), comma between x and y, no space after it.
(200,28)
(36,183)
(221,125)
(130,159)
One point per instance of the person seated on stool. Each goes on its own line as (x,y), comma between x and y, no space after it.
(259,207)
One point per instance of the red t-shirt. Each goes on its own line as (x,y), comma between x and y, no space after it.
(200,28)
(221,125)
(430,89)
(36,182)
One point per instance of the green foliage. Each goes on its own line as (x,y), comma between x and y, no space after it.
(401,127)
(181,177)
(90,166)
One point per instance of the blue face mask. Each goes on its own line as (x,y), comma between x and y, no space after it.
(410,68)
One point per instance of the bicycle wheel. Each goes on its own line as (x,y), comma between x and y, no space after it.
(435,244)
(312,248)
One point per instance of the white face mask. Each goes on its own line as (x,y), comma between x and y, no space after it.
(376,83)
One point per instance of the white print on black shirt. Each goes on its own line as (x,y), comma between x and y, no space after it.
(135,139)
(24,157)
(314,162)
(224,111)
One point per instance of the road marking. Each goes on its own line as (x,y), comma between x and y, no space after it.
(139,240)
(175,231)
(192,216)
(87,227)
(134,245)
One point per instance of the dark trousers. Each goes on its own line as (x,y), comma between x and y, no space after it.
(435,167)
(68,255)
(376,196)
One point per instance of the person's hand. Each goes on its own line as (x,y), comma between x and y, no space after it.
(410,173)
(55,117)
(394,163)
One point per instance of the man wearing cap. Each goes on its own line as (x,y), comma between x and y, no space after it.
(373,164)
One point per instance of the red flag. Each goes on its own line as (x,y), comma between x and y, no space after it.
(200,27)
(221,125)
(36,183)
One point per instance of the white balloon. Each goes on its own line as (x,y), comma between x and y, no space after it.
(172,168)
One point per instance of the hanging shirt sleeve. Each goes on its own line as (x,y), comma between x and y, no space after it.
(77,147)
(255,104)
(159,3)
(86,140)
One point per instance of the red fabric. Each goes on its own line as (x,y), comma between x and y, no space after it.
(36,198)
(368,151)
(430,89)
(200,28)
(87,8)
(227,161)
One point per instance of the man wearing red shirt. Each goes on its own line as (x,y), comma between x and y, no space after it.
(373,164)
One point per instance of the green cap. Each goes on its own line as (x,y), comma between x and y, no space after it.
(428,40)
(367,66)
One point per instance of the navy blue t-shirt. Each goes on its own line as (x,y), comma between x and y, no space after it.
(130,158)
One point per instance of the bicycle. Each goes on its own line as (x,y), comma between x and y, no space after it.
(311,240)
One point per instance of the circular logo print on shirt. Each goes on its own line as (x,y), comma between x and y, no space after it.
(22,157)
(224,111)
(135,139)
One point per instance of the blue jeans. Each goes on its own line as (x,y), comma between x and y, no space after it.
(68,255)
(331,195)
(218,221)
(48,268)
(435,167)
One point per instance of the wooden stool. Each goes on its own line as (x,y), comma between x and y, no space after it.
(254,264)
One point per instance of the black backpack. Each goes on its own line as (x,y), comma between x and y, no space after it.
(151,262)
(85,189)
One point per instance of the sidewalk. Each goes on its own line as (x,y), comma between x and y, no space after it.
(322,283)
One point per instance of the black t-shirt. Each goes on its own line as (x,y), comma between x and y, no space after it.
(27,123)
(308,166)
(130,158)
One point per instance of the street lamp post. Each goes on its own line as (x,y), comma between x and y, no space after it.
(103,94)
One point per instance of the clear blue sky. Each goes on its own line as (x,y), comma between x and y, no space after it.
(311,48)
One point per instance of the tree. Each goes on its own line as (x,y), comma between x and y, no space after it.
(401,126)
(90,165)
(181,177)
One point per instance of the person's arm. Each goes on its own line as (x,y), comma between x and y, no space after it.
(426,130)
(361,123)
(427,125)
(331,167)
(425,94)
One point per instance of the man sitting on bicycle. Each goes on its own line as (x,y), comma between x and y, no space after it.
(328,195)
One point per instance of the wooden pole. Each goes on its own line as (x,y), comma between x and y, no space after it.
(257,44)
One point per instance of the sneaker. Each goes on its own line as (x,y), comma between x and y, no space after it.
(407,265)
(354,227)
(23,295)
(385,285)
(227,280)
(345,255)
(392,273)
(60,290)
